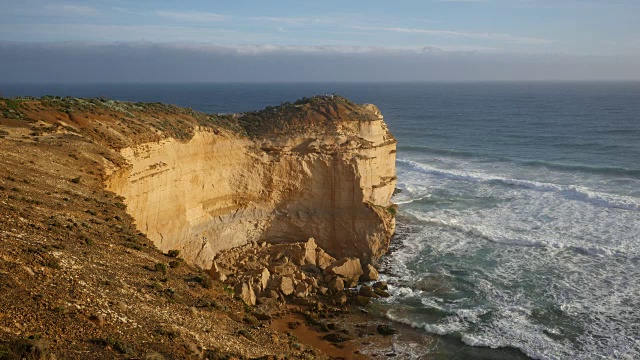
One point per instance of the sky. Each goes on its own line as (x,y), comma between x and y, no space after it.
(323,40)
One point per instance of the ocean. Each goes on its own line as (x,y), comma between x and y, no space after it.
(519,218)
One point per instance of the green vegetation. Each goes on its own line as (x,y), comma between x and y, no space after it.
(173,253)
(204,281)
(175,263)
(133,245)
(53,263)
(160,267)
(13,104)
(250,320)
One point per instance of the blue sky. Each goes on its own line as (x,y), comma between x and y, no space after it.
(584,30)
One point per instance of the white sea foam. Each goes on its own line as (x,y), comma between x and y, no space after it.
(430,328)
(495,235)
(410,192)
(550,266)
(571,192)
(595,296)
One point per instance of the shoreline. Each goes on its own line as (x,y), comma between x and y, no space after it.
(355,335)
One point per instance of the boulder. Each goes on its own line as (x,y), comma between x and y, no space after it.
(264,277)
(267,301)
(285,269)
(301,253)
(384,329)
(369,273)
(336,337)
(348,268)
(286,286)
(366,291)
(323,260)
(381,293)
(299,276)
(216,273)
(301,290)
(382,285)
(244,291)
(336,284)
(310,251)
(341,299)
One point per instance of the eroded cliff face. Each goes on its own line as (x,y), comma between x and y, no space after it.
(324,170)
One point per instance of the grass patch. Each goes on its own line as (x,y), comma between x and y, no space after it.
(133,245)
(12,104)
(160,267)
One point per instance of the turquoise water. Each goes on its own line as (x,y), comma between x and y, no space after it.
(519,222)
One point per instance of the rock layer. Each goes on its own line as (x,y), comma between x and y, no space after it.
(323,169)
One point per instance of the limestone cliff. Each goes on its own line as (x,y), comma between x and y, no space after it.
(322,167)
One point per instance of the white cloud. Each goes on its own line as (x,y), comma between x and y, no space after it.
(465,34)
(295,20)
(70,10)
(192,16)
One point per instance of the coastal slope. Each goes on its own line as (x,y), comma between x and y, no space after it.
(90,189)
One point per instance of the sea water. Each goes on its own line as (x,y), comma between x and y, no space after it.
(519,219)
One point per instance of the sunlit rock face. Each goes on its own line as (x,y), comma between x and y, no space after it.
(323,169)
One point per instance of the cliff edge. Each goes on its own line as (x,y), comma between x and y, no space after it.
(321,167)
(89,186)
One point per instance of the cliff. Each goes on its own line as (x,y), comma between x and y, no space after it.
(89,186)
(322,168)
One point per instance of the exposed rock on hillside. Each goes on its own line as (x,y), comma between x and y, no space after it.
(323,168)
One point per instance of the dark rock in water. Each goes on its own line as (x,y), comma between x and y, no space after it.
(382,293)
(382,285)
(397,191)
(336,338)
(384,329)
(366,291)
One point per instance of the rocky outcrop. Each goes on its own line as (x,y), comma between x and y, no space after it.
(269,273)
(321,168)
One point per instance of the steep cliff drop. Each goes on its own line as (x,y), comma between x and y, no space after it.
(322,167)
